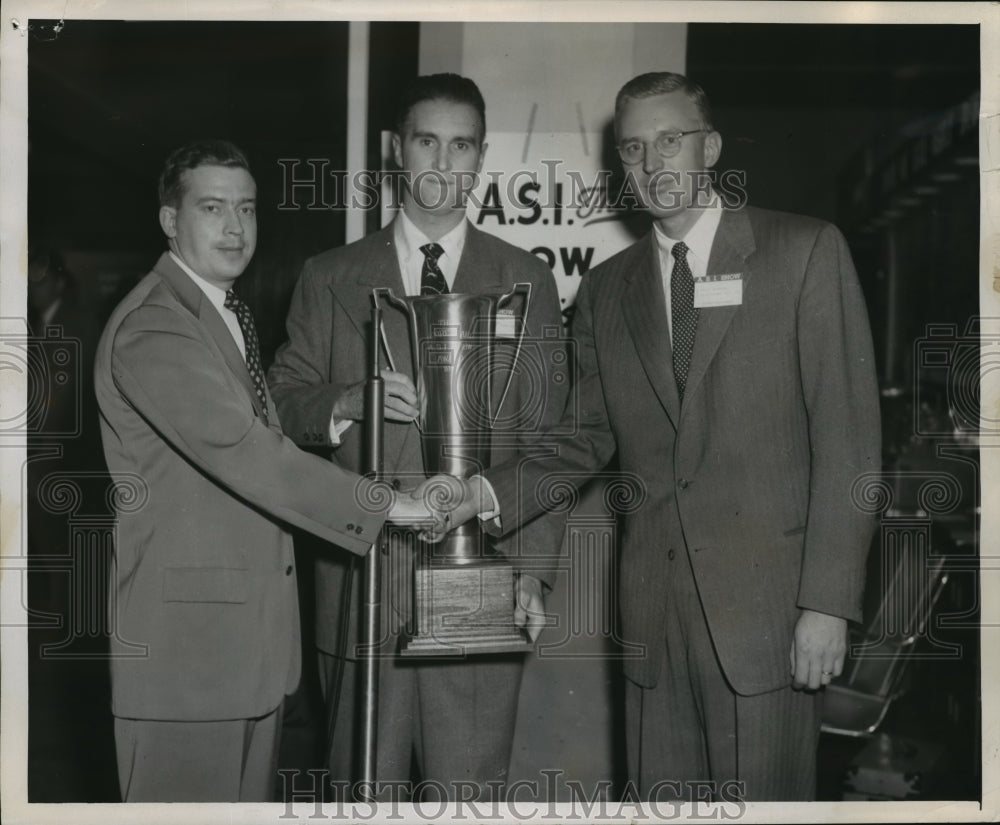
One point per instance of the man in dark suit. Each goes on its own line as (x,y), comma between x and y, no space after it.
(457,717)
(726,357)
(203,580)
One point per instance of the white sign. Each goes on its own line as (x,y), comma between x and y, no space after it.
(546,193)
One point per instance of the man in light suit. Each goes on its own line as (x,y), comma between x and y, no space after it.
(456,717)
(203,596)
(726,357)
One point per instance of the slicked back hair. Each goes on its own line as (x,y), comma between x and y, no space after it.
(191,156)
(661,83)
(446,86)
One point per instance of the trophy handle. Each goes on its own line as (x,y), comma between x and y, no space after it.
(519,289)
(411,318)
(386,293)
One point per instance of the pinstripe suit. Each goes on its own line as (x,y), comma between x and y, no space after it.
(747,517)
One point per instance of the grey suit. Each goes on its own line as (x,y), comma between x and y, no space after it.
(203,575)
(458,716)
(748,483)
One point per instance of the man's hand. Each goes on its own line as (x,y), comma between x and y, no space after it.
(529,610)
(400,399)
(412,512)
(453,500)
(818,649)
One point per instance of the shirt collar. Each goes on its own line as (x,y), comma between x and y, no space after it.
(700,237)
(410,238)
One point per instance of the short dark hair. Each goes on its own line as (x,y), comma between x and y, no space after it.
(191,156)
(445,86)
(661,83)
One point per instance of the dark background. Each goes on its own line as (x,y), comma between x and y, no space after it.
(830,121)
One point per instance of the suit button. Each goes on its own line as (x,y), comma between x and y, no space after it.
(683,483)
(396,484)
(288,570)
(350,527)
(671,554)
(359,530)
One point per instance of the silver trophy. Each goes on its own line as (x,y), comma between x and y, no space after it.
(463,588)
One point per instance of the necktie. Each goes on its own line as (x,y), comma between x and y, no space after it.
(432,280)
(683,315)
(250,345)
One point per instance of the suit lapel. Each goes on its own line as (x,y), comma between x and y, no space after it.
(733,244)
(380,269)
(477,271)
(191,296)
(645,313)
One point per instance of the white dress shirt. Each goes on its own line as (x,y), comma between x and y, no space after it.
(699,240)
(409,239)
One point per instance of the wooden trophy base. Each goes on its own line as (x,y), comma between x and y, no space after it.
(463,609)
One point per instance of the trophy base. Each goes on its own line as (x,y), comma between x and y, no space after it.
(464,609)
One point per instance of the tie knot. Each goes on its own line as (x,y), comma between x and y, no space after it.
(232,301)
(680,251)
(432,251)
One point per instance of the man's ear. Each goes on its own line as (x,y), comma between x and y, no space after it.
(397,150)
(168,221)
(713,149)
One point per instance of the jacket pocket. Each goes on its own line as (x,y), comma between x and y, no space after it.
(205,584)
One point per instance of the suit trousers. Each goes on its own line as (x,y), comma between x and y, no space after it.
(455,718)
(235,760)
(692,737)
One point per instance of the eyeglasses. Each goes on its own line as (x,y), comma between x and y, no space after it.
(667,144)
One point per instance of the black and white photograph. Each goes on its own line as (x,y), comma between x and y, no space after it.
(536,413)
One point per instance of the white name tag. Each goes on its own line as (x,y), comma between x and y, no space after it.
(718,290)
(505,323)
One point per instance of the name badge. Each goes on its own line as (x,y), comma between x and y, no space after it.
(718,290)
(504,323)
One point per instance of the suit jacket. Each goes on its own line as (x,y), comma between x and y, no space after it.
(751,477)
(327,351)
(203,572)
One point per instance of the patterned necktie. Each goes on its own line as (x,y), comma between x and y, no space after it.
(432,280)
(683,315)
(250,344)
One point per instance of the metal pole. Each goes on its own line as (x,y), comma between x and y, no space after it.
(358,49)
(371,636)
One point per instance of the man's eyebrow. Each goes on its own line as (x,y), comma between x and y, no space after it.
(220,199)
(436,136)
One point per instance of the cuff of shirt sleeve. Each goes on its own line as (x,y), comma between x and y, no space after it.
(493,512)
(337,429)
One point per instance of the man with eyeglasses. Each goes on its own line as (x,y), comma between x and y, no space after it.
(726,358)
